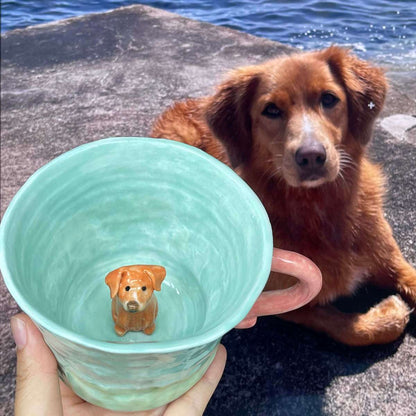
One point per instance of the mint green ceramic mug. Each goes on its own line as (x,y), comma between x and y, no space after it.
(124,201)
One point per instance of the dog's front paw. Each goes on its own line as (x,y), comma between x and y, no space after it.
(119,330)
(386,321)
(396,308)
(150,329)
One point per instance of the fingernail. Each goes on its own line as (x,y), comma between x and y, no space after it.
(19,332)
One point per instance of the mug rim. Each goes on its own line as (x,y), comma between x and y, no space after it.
(211,335)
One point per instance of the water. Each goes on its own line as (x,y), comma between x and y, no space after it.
(381,30)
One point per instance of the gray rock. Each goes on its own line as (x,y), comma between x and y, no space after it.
(78,80)
(401,127)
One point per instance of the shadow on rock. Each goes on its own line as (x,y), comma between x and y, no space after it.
(279,368)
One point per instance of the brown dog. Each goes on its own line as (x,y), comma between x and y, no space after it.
(134,307)
(295,129)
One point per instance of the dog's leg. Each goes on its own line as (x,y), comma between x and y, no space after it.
(391,269)
(406,282)
(150,329)
(382,324)
(119,330)
(401,276)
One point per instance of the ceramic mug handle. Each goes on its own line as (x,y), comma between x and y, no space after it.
(280,301)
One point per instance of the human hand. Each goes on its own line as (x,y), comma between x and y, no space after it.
(39,391)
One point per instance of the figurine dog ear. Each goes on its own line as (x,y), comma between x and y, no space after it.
(156,274)
(113,281)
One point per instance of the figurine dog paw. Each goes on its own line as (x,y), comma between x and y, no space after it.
(134,307)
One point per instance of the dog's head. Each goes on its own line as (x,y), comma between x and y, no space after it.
(134,285)
(306,116)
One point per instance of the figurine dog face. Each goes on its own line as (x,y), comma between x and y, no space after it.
(134,308)
(134,285)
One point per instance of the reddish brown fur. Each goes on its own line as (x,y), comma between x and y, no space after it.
(134,307)
(336,221)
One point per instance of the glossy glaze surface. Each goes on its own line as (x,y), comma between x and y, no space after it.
(134,306)
(135,201)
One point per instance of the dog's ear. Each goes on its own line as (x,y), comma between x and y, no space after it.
(228,113)
(156,274)
(113,280)
(365,86)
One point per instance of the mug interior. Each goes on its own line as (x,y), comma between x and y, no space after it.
(131,201)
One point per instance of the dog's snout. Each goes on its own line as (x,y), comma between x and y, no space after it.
(311,156)
(132,305)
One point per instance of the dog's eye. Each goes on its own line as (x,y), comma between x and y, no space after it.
(329,100)
(144,288)
(271,111)
(127,288)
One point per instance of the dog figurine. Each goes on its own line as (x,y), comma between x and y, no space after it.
(134,307)
(296,129)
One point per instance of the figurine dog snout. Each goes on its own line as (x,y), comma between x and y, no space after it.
(133,306)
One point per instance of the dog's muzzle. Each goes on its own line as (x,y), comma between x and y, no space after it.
(132,306)
(310,159)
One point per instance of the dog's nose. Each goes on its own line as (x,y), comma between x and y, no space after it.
(132,305)
(311,156)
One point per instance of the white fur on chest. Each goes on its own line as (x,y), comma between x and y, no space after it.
(358,276)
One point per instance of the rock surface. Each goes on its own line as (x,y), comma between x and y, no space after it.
(110,74)
(400,126)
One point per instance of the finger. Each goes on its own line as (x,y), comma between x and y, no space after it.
(247,323)
(37,385)
(194,402)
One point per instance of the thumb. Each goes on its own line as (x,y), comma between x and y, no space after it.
(37,383)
